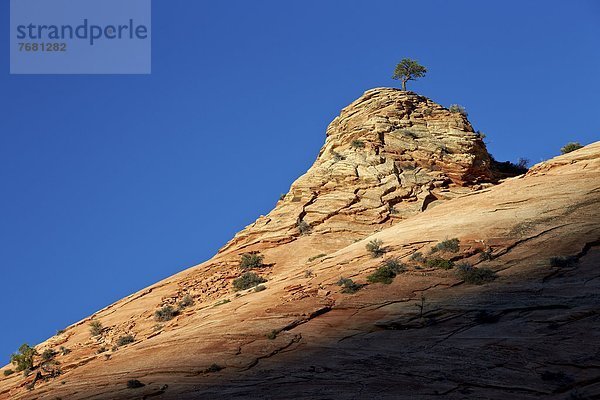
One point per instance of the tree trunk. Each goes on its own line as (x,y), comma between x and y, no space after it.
(404,84)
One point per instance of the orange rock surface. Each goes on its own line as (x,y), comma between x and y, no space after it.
(401,169)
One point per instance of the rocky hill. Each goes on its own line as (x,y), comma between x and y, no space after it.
(387,156)
(456,285)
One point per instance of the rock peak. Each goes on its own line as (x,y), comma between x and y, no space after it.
(388,155)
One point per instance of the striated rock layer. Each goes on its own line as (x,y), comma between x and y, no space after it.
(388,155)
(528,334)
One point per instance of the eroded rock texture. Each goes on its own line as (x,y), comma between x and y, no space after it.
(388,155)
(529,331)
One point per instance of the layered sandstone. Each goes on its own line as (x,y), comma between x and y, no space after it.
(528,334)
(387,156)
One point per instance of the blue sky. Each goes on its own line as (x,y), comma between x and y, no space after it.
(110,183)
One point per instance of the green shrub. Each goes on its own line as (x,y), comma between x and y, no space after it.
(134,384)
(450,245)
(23,359)
(387,272)
(417,257)
(313,258)
(523,163)
(337,156)
(64,351)
(48,354)
(165,313)
(563,262)
(473,275)
(213,368)
(357,144)
(186,301)
(569,147)
(251,261)
(272,335)
(439,263)
(96,328)
(374,248)
(303,227)
(509,168)
(486,255)
(457,108)
(60,332)
(8,372)
(349,286)
(125,340)
(247,281)
(221,302)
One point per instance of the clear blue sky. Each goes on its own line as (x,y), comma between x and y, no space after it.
(110,183)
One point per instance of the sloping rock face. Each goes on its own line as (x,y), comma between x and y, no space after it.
(388,155)
(528,334)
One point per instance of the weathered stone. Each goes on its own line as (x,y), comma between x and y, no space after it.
(385,137)
(529,334)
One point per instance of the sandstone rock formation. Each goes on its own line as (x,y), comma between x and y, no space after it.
(387,156)
(429,334)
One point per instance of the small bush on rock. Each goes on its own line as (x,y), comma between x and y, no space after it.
(247,281)
(134,384)
(23,359)
(569,147)
(272,335)
(357,144)
(337,156)
(96,328)
(165,313)
(48,354)
(387,272)
(313,258)
(439,263)
(213,368)
(349,286)
(457,108)
(303,227)
(417,257)
(486,255)
(450,245)
(563,262)
(374,248)
(509,168)
(125,340)
(8,372)
(473,275)
(251,261)
(186,301)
